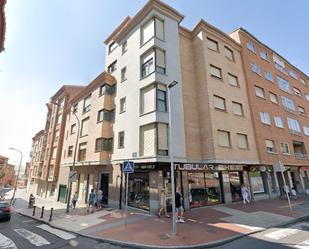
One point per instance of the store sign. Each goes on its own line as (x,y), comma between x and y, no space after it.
(212,167)
(145,166)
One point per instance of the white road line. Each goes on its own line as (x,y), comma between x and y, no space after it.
(6,243)
(61,234)
(33,238)
(303,245)
(282,233)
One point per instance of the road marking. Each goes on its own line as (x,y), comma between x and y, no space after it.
(33,238)
(303,245)
(282,233)
(61,234)
(6,243)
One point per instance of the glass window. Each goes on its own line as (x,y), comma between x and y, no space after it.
(270,146)
(219,103)
(107,89)
(284,85)
(212,44)
(54,152)
(70,151)
(87,103)
(148,63)
(237,109)
(106,115)
(306,130)
(251,46)
(302,81)
(85,127)
(269,76)
(162,134)
(233,80)
(138,191)
(229,53)
(82,152)
(259,92)
(147,140)
(112,67)
(242,141)
(75,108)
(161,100)
(104,144)
(111,47)
(148,31)
(297,92)
(293,74)
(215,71)
(159,28)
(273,98)
(278,121)
(148,99)
(288,104)
(265,118)
(122,104)
(124,74)
(257,183)
(160,61)
(121,139)
(301,111)
(293,125)
(285,148)
(255,68)
(236,180)
(279,64)
(224,138)
(124,47)
(264,55)
(307,97)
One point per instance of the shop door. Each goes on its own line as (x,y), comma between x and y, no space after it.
(62,193)
(104,187)
(236,180)
(138,195)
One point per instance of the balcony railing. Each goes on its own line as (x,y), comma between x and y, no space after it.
(297,133)
(301,156)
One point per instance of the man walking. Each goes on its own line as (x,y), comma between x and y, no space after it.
(91,202)
(179,206)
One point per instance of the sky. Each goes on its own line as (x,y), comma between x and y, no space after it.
(55,42)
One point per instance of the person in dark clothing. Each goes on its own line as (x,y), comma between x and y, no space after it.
(179,206)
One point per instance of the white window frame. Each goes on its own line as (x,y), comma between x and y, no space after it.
(265,118)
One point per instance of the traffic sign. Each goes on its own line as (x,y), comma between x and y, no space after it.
(128,167)
(73,176)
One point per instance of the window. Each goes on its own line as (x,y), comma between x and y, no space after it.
(294,125)
(219,103)
(278,121)
(107,89)
(106,115)
(307,97)
(75,108)
(121,139)
(147,140)
(264,55)
(54,152)
(224,138)
(288,104)
(259,92)
(251,46)
(229,53)
(279,64)
(301,111)
(215,71)
(242,141)
(255,68)
(306,130)
(153,28)
(269,76)
(82,149)
(148,99)
(162,135)
(112,67)
(124,74)
(122,104)
(112,47)
(265,118)
(297,92)
(273,98)
(73,128)
(293,75)
(212,44)
(70,151)
(59,118)
(233,80)
(237,109)
(153,60)
(270,146)
(302,81)
(85,127)
(103,144)
(161,100)
(285,149)
(57,135)
(124,47)
(87,103)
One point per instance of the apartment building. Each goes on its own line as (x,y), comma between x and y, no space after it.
(7,172)
(89,125)
(279,98)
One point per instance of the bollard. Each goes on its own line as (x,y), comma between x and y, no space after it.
(51,214)
(42,213)
(33,214)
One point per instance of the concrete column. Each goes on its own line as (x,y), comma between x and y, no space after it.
(185,185)
(226,189)
(154,196)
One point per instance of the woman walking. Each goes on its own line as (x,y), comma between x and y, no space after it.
(245,194)
(162,205)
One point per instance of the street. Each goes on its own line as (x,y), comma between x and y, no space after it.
(23,233)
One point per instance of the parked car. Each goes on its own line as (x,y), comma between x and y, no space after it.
(5,211)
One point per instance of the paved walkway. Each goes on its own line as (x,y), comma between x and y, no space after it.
(204,226)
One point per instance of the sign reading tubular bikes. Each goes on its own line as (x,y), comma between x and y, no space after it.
(203,166)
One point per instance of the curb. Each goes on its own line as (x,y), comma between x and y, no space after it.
(215,243)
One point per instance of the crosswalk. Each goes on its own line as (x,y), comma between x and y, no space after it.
(296,236)
(35,239)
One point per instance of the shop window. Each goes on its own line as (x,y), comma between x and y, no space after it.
(236,180)
(138,192)
(257,182)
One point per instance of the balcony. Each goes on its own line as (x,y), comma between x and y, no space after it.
(300,150)
(297,133)
(301,156)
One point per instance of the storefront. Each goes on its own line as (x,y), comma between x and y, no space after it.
(236,180)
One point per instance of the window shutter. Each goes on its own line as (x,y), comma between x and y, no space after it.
(148,56)
(148,31)
(219,103)
(242,141)
(159,29)
(148,140)
(212,44)
(160,60)
(162,136)
(215,71)
(237,109)
(149,99)
(223,138)
(269,143)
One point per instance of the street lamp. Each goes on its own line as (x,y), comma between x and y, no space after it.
(74,156)
(18,172)
(169,87)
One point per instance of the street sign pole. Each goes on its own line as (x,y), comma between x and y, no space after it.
(126,207)
(128,168)
(284,183)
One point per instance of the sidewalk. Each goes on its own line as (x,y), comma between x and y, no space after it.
(204,227)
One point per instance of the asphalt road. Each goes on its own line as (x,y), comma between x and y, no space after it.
(23,233)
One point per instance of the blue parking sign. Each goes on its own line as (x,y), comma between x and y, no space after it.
(128,167)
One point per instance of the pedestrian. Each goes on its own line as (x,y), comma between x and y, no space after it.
(162,205)
(74,200)
(245,194)
(91,202)
(179,206)
(293,193)
(31,201)
(286,190)
(99,199)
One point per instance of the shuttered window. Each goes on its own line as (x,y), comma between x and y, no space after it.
(85,127)
(160,61)
(215,71)
(212,44)
(229,53)
(148,31)
(159,28)
(219,103)
(147,140)
(233,80)
(224,138)
(148,99)
(162,139)
(237,109)
(270,146)
(242,141)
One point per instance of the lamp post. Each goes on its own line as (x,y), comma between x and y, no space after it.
(74,157)
(18,172)
(169,87)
